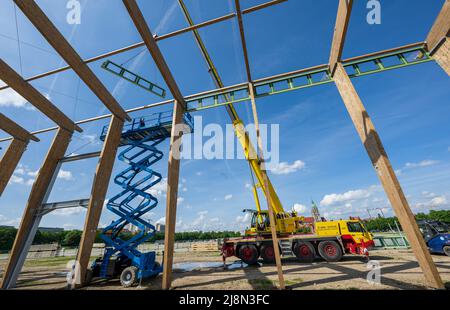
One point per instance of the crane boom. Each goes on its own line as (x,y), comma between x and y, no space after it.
(243,137)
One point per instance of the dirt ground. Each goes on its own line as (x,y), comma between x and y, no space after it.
(204,270)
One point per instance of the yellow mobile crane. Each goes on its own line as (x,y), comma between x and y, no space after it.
(257,241)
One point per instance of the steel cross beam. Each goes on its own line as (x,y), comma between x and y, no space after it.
(157,38)
(395,58)
(38,18)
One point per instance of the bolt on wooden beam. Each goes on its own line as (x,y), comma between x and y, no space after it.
(380,161)
(30,219)
(97,198)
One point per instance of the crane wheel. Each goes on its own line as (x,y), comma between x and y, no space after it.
(447,250)
(128,277)
(267,253)
(330,251)
(249,254)
(304,251)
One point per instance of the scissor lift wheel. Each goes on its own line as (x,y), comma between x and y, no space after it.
(128,277)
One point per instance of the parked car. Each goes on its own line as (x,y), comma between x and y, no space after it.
(436,235)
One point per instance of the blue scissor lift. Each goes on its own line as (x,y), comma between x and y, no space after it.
(139,138)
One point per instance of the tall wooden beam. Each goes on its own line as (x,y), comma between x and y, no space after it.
(340,32)
(9,161)
(16,82)
(440,28)
(174,158)
(385,172)
(173,175)
(38,18)
(97,198)
(30,219)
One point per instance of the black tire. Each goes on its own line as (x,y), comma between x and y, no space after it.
(267,253)
(447,250)
(128,277)
(304,251)
(330,251)
(248,254)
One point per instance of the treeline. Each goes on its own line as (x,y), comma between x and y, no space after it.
(71,238)
(388,223)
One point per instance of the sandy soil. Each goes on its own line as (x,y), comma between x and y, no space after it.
(204,270)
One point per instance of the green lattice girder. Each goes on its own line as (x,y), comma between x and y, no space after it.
(133,78)
(309,78)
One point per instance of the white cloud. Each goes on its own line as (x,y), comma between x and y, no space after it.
(20,170)
(286,168)
(332,199)
(299,208)
(32,173)
(180,200)
(16,180)
(9,222)
(65,175)
(243,218)
(438,201)
(228,197)
(160,189)
(69,211)
(198,173)
(9,98)
(423,163)
(161,221)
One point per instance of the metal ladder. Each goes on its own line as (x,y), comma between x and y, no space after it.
(286,247)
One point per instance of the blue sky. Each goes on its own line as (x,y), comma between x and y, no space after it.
(409,106)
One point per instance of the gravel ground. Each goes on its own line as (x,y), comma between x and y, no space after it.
(204,270)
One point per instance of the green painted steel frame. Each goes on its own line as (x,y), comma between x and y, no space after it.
(309,78)
(137,80)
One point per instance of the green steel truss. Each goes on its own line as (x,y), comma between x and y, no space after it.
(308,78)
(133,78)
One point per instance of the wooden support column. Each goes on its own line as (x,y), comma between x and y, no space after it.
(273,229)
(442,55)
(10,160)
(30,219)
(385,172)
(173,174)
(97,198)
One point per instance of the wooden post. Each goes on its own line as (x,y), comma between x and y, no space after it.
(382,165)
(98,194)
(173,174)
(266,189)
(442,55)
(39,192)
(10,160)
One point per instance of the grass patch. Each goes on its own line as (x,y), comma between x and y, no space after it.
(262,284)
(48,261)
